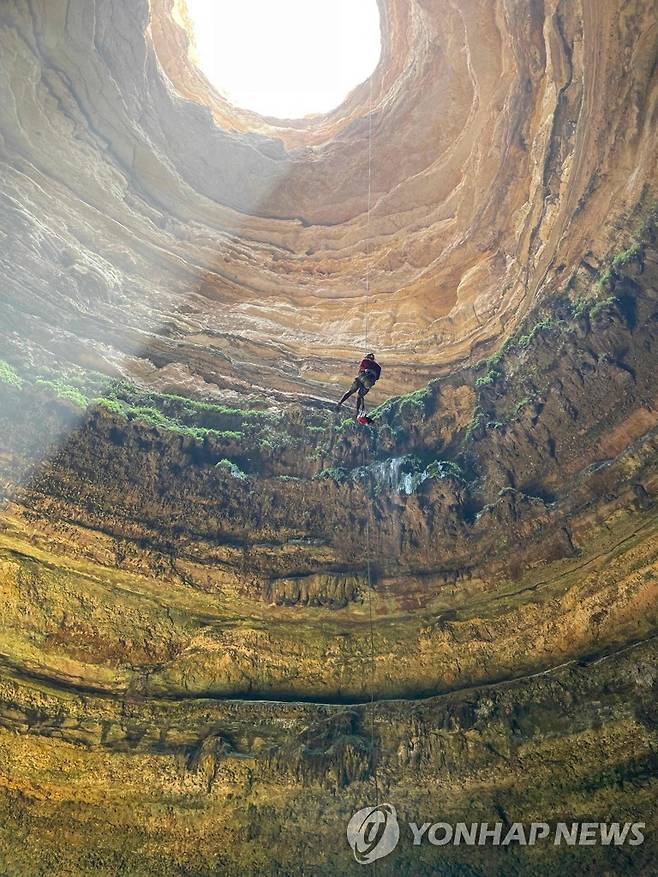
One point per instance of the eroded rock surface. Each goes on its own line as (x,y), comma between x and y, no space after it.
(169,237)
(226,611)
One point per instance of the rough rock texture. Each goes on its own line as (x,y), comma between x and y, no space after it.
(154,230)
(225,613)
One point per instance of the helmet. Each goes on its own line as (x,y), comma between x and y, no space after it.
(370,355)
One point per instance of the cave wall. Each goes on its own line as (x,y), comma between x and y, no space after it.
(156,232)
(176,624)
(229,616)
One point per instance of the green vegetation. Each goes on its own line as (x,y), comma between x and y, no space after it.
(9,375)
(215,408)
(621,259)
(627,255)
(111,405)
(492,362)
(166,411)
(601,305)
(417,398)
(544,325)
(520,342)
(179,414)
(169,403)
(580,305)
(594,304)
(153,417)
(590,305)
(489,378)
(384,408)
(337,474)
(233,469)
(268,438)
(150,416)
(521,405)
(63,391)
(445,469)
(476,421)
(603,279)
(189,417)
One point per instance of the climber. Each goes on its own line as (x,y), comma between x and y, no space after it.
(369,372)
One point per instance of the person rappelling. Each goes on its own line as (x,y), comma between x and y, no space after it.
(369,372)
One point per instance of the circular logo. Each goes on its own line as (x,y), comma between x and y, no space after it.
(373,832)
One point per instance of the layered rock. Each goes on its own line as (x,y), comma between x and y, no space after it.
(230,618)
(176,574)
(167,236)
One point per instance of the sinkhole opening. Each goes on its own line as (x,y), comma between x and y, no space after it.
(285,58)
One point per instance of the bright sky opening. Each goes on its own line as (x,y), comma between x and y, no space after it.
(286,58)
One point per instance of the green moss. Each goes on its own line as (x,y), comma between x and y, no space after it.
(133,395)
(601,305)
(63,391)
(233,435)
(626,255)
(488,379)
(232,468)
(445,469)
(597,301)
(112,405)
(580,305)
(490,363)
(616,263)
(521,405)
(417,398)
(337,474)
(153,417)
(476,421)
(525,341)
(384,408)
(9,375)
(200,420)
(591,305)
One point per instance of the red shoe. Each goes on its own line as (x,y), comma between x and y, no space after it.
(364,420)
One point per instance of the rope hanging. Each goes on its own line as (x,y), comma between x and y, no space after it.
(368,567)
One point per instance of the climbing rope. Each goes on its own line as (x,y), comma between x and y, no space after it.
(367,248)
(368,563)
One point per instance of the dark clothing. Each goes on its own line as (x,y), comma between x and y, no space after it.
(369,372)
(370,365)
(362,383)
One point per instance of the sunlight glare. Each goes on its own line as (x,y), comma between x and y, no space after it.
(286,58)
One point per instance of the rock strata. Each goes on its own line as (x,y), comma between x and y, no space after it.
(230,617)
